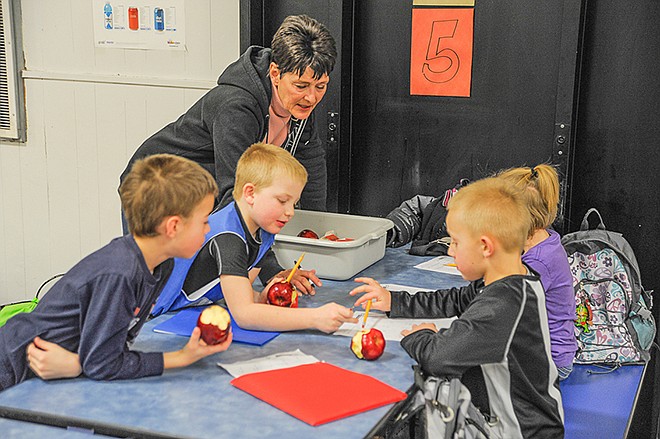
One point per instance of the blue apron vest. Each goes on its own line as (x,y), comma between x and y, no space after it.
(225,220)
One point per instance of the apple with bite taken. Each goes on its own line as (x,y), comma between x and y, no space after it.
(283,294)
(307,233)
(215,324)
(368,344)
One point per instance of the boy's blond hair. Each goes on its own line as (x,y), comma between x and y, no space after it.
(261,163)
(540,185)
(163,185)
(495,208)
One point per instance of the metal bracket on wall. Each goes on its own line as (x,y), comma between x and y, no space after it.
(333,126)
(561,148)
(560,158)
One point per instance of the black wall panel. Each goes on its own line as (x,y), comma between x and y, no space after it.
(406,145)
(617,146)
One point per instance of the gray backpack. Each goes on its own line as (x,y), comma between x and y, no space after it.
(614,323)
(441,408)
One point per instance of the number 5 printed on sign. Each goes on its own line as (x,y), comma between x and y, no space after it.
(442,64)
(441,51)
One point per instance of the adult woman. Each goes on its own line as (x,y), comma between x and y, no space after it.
(268,94)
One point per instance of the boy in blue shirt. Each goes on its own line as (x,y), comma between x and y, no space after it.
(499,346)
(269,181)
(89,318)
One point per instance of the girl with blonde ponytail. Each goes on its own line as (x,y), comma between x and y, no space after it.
(545,255)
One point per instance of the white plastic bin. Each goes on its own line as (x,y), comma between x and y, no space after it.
(331,259)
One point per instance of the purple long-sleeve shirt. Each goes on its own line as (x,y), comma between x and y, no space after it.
(549,260)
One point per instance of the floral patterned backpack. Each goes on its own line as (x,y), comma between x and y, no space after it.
(613,323)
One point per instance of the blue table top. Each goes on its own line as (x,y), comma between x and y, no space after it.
(600,405)
(21,430)
(199,401)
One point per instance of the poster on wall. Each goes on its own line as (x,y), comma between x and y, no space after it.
(139,24)
(441,48)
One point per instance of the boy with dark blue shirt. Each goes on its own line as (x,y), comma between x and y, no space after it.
(88,320)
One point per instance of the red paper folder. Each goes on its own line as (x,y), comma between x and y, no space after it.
(319,392)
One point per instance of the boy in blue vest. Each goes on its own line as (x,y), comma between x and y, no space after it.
(269,181)
(89,318)
(499,346)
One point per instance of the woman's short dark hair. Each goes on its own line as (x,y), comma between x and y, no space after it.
(302,42)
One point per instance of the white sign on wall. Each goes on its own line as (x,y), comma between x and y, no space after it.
(139,24)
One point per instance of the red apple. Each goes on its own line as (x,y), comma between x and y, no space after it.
(368,344)
(307,233)
(283,294)
(330,236)
(215,324)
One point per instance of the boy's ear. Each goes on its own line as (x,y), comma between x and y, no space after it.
(248,193)
(487,246)
(170,225)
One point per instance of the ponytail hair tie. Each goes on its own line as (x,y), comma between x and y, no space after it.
(533,173)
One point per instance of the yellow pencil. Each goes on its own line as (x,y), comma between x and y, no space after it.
(366,313)
(295,267)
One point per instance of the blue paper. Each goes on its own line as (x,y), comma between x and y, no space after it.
(185,321)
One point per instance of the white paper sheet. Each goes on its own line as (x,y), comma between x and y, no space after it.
(270,362)
(441,264)
(391,328)
(411,290)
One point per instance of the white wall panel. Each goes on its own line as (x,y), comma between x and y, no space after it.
(110,136)
(137,125)
(4,239)
(87,157)
(222,40)
(162,106)
(58,190)
(13,259)
(58,48)
(34,235)
(62,174)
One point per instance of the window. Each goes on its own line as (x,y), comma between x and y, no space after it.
(11,98)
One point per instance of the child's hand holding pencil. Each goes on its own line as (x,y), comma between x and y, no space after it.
(373,292)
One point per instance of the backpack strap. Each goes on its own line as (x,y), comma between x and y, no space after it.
(585,221)
(46,283)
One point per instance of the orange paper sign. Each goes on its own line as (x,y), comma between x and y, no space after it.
(441,51)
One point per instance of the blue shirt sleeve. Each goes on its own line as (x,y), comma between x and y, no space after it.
(107,313)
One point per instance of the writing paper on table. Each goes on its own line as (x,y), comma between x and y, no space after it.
(269,362)
(391,328)
(441,264)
